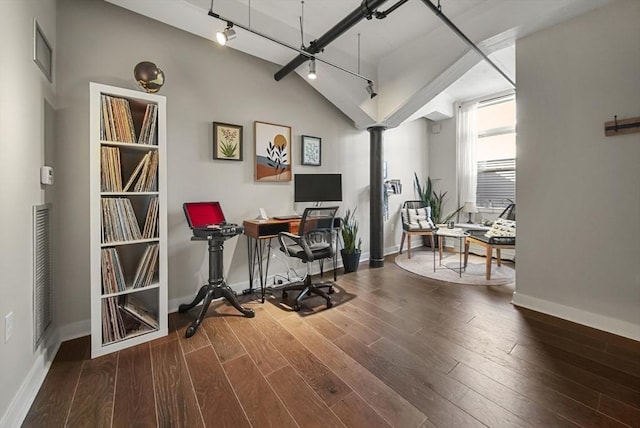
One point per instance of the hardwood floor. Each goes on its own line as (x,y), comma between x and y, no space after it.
(396,351)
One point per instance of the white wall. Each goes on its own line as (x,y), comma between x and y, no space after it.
(578,191)
(406,150)
(442,162)
(23,90)
(204,83)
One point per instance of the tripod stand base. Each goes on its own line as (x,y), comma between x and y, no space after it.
(209,293)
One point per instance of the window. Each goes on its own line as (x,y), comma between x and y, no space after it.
(496,152)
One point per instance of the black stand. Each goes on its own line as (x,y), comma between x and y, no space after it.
(215,288)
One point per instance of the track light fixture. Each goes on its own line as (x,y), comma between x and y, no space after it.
(372,93)
(228,34)
(312,69)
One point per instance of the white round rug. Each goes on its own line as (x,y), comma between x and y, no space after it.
(421,263)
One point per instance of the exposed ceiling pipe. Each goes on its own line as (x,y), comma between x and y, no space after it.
(383,14)
(436,9)
(365,10)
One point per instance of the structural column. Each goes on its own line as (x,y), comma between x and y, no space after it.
(376,180)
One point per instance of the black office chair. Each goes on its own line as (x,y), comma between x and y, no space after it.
(314,241)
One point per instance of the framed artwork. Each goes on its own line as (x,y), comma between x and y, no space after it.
(273,151)
(227,141)
(42,52)
(311,150)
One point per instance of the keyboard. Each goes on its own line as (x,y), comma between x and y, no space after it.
(288,217)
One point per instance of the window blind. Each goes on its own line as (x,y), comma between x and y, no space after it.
(496,182)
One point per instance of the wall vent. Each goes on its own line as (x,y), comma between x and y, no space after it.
(42,291)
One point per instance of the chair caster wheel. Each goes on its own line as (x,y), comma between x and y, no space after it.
(331,290)
(191,330)
(284,295)
(296,308)
(329,304)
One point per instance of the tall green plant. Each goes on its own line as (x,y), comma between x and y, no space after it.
(433,199)
(350,232)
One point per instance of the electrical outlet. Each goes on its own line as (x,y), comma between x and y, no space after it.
(8,326)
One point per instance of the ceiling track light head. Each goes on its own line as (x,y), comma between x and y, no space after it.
(222,37)
(372,93)
(312,69)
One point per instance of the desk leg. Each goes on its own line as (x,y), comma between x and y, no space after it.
(251,255)
(255,253)
(263,278)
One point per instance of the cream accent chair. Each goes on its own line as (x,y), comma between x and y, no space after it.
(416,221)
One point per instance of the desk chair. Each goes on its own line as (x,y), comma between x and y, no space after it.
(416,220)
(314,241)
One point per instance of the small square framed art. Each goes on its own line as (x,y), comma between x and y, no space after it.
(227,141)
(311,150)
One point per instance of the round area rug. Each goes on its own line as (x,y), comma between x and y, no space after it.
(421,263)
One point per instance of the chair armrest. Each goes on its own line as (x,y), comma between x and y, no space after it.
(283,237)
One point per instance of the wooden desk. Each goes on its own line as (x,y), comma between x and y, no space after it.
(259,235)
(265,229)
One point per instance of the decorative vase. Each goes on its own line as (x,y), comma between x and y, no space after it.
(350,261)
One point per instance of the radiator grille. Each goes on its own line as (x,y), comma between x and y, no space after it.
(41,271)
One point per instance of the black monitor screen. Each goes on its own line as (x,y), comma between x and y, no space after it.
(317,187)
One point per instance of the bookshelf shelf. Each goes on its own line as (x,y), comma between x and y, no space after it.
(128,193)
(130,289)
(133,242)
(128,236)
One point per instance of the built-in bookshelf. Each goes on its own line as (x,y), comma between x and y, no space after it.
(128,218)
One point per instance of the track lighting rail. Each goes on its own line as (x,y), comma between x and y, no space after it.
(365,10)
(302,53)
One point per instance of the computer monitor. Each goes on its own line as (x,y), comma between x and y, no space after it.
(317,187)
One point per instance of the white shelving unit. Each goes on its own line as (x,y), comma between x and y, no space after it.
(128,260)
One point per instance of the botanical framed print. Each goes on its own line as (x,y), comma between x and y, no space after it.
(311,150)
(227,141)
(42,52)
(273,151)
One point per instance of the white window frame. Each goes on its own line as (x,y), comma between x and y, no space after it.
(503,166)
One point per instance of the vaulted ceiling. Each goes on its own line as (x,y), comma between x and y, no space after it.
(419,65)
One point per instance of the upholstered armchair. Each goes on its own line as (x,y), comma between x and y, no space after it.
(416,221)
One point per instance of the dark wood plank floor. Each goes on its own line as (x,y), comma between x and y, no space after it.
(397,350)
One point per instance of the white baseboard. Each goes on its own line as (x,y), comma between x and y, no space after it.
(21,403)
(580,316)
(75,330)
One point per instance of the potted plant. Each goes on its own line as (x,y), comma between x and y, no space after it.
(434,200)
(352,243)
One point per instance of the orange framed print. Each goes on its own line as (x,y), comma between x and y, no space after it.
(273,151)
